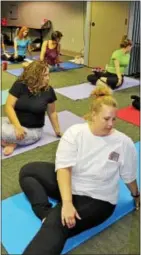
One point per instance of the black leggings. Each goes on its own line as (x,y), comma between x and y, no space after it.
(12,59)
(112,79)
(38,181)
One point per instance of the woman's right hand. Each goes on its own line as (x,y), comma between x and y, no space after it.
(20,133)
(119,80)
(69,214)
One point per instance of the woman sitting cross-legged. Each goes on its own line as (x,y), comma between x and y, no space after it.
(28,99)
(22,45)
(119,61)
(90,159)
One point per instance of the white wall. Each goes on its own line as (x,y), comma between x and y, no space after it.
(68,17)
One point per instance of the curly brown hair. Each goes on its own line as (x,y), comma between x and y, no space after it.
(36,76)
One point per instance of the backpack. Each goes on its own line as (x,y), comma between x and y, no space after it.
(136,102)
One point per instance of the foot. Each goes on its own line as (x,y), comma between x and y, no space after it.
(9,148)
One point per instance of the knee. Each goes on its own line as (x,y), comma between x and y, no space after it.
(25,171)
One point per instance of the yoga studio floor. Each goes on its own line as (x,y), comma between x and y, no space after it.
(123,236)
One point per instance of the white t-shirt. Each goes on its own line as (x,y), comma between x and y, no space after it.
(97,161)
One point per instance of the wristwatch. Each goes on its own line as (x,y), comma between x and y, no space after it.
(136,195)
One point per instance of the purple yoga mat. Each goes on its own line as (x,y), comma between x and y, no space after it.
(66,119)
(82,91)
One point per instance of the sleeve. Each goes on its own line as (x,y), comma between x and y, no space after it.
(16,89)
(128,170)
(53,96)
(115,55)
(66,154)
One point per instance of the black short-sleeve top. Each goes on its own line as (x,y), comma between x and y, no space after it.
(30,108)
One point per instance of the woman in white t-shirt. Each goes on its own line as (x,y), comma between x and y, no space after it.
(90,159)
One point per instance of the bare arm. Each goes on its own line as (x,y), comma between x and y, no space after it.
(58,51)
(53,116)
(11,114)
(133,187)
(43,50)
(117,67)
(3,47)
(135,192)
(64,183)
(29,48)
(15,48)
(9,109)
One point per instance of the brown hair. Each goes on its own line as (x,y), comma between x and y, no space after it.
(101,95)
(21,31)
(125,42)
(36,76)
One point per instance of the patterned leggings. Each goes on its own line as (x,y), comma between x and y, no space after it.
(8,134)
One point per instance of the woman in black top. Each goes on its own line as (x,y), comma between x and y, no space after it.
(29,98)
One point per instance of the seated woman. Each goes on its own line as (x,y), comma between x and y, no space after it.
(29,98)
(90,159)
(119,61)
(4,55)
(51,50)
(22,45)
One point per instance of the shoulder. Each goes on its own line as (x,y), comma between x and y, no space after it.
(45,43)
(125,139)
(28,39)
(116,52)
(50,90)
(19,84)
(76,130)
(17,88)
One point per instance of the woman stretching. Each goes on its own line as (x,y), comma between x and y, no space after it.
(29,98)
(90,159)
(51,50)
(114,74)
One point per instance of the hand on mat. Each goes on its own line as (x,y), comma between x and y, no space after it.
(137,202)
(20,133)
(59,134)
(69,215)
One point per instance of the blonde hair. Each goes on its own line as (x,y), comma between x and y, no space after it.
(36,76)
(101,95)
(125,42)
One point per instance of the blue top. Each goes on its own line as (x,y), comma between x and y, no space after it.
(22,46)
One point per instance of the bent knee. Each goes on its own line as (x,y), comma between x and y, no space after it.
(26,170)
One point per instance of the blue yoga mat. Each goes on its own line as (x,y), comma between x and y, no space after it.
(65,65)
(4,95)
(19,224)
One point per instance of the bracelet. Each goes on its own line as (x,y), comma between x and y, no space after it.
(137,195)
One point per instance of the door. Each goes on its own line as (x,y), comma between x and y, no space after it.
(109,22)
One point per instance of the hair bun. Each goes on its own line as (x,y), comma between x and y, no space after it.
(101,90)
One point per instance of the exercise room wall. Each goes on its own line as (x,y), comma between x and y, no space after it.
(68,17)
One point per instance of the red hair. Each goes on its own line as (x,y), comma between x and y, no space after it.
(20,33)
